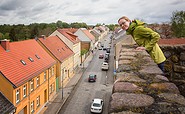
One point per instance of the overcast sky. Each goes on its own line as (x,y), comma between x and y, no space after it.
(88,11)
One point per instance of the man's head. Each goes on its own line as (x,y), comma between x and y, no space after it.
(124,22)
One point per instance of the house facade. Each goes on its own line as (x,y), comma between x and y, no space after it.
(90,36)
(85,40)
(27,75)
(64,56)
(73,42)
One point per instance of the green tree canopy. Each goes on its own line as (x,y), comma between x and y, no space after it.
(178,23)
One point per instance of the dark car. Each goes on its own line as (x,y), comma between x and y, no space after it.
(106,58)
(108,50)
(92,78)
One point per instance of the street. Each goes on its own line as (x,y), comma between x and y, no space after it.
(81,97)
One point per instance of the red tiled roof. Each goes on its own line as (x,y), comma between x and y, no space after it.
(57,47)
(175,41)
(88,34)
(73,38)
(14,70)
(72,30)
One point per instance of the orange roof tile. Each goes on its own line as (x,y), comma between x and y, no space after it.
(88,34)
(12,68)
(57,47)
(73,38)
(72,30)
(174,41)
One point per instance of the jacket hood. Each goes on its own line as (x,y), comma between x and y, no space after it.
(133,25)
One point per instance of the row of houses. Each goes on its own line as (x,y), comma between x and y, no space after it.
(33,71)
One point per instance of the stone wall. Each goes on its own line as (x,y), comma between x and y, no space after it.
(142,88)
(175,65)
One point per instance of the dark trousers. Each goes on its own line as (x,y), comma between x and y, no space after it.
(161,66)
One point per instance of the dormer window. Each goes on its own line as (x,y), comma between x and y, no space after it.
(30,59)
(23,62)
(59,50)
(67,47)
(37,56)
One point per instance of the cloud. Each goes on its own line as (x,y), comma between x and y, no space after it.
(88,11)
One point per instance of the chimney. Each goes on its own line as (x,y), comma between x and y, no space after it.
(5,44)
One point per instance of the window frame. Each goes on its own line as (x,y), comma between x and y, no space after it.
(17,95)
(24,91)
(31,85)
(38,81)
(38,101)
(45,76)
(32,107)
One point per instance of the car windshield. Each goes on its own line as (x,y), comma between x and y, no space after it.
(96,105)
(91,76)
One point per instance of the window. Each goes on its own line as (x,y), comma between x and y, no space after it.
(53,87)
(17,95)
(32,107)
(66,47)
(31,85)
(24,90)
(30,59)
(49,72)
(38,81)
(37,56)
(45,76)
(52,72)
(50,89)
(23,62)
(38,101)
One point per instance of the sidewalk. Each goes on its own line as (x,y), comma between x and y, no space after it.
(54,106)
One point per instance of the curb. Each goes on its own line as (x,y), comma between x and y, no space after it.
(74,87)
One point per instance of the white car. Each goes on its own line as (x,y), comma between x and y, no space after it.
(105,66)
(97,105)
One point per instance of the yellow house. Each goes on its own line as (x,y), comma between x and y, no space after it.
(27,75)
(72,41)
(64,56)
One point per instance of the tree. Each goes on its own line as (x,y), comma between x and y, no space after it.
(59,24)
(35,31)
(178,23)
(13,35)
(111,27)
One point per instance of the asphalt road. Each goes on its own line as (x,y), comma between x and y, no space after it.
(81,97)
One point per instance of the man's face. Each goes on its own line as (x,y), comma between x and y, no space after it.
(124,24)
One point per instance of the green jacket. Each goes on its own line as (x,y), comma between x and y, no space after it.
(147,38)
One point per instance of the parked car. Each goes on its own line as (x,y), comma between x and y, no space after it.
(102,45)
(99,48)
(104,48)
(105,66)
(97,105)
(106,57)
(101,56)
(92,78)
(108,50)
